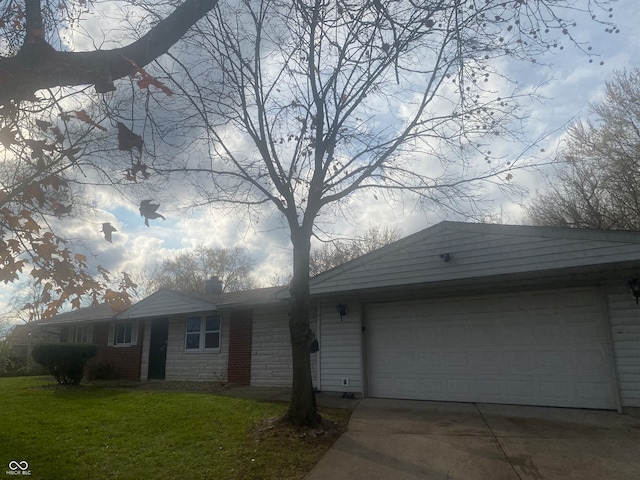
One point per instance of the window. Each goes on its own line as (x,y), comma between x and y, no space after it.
(123,334)
(203,333)
(193,333)
(80,334)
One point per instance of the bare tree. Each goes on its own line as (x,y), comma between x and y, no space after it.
(51,125)
(27,302)
(6,325)
(337,252)
(188,271)
(305,103)
(597,184)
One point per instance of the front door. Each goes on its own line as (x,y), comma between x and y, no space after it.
(158,348)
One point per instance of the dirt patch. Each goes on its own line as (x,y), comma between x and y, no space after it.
(328,430)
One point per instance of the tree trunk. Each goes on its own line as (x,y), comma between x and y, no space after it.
(302,408)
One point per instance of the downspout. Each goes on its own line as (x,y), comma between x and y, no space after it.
(319,354)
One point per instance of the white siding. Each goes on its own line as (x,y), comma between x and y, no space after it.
(271,363)
(205,366)
(340,348)
(624,316)
(478,250)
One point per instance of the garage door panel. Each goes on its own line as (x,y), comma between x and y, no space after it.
(519,348)
(550,361)
(483,332)
(559,392)
(517,362)
(430,362)
(485,361)
(521,390)
(454,333)
(407,386)
(580,330)
(382,363)
(589,390)
(405,361)
(434,387)
(585,361)
(546,332)
(458,387)
(490,389)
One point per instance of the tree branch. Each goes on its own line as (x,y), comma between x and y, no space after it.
(40,66)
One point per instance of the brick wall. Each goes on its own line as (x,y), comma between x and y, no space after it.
(240,332)
(124,360)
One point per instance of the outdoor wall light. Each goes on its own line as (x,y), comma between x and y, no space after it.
(342,310)
(447,257)
(634,285)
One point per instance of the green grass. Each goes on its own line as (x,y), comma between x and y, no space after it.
(90,432)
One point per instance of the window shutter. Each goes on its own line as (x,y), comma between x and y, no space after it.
(134,332)
(89,333)
(112,331)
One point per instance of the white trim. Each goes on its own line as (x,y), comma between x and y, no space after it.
(113,331)
(319,352)
(202,334)
(612,355)
(80,334)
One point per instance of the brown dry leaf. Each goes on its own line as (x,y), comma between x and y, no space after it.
(146,80)
(128,140)
(84,116)
(107,230)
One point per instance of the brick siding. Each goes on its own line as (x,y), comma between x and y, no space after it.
(240,333)
(124,360)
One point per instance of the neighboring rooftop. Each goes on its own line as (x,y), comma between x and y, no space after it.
(95,313)
(171,302)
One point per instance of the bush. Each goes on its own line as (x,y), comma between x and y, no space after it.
(64,361)
(102,371)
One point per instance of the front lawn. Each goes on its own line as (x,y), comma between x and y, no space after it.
(89,432)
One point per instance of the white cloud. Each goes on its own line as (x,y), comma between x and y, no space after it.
(569,85)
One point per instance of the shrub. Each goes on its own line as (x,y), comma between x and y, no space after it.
(102,371)
(64,361)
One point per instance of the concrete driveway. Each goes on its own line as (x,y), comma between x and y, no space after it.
(402,440)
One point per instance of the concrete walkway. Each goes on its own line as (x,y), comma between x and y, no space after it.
(411,440)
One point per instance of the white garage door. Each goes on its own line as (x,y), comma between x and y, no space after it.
(539,348)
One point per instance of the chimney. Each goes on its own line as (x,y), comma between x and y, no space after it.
(213,286)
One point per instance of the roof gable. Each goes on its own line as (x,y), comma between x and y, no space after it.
(476,251)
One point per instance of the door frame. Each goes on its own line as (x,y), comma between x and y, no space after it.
(158,340)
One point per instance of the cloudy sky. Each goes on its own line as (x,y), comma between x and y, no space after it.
(569,82)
